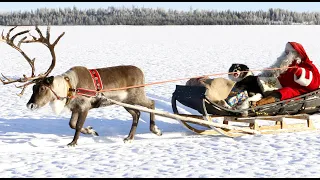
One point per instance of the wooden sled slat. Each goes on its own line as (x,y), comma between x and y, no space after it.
(276,113)
(210,131)
(227,130)
(279,127)
(213,125)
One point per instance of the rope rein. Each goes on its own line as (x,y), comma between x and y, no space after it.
(173,80)
(70,96)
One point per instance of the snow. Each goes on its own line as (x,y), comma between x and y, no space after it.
(33,143)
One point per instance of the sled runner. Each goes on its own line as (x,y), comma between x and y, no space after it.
(298,108)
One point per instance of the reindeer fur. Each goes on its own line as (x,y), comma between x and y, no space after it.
(112,77)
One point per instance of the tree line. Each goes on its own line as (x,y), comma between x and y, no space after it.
(158,16)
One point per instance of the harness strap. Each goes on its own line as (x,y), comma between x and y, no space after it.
(58,97)
(86,92)
(97,82)
(96,79)
(70,90)
(69,93)
(82,91)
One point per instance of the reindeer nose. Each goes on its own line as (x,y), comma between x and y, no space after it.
(32,106)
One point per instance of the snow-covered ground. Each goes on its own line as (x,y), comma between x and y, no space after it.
(33,143)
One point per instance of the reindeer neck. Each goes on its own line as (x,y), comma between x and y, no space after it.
(60,86)
(59,89)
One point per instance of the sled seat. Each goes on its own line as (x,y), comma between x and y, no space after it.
(194,97)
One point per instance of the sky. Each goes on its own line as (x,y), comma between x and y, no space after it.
(34,143)
(237,6)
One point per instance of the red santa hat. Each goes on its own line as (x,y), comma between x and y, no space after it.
(298,48)
(284,60)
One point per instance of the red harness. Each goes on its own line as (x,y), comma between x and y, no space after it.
(96,79)
(97,84)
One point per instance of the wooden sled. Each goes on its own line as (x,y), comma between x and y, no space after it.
(277,114)
(192,96)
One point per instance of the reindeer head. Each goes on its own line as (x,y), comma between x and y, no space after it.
(41,93)
(41,90)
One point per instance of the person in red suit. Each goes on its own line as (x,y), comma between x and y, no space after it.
(302,76)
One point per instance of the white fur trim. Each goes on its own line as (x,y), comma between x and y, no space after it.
(303,81)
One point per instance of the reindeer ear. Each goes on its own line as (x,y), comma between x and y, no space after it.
(49,80)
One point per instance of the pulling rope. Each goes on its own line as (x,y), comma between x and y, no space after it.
(70,96)
(174,80)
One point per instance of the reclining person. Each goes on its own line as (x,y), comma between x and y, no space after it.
(301,78)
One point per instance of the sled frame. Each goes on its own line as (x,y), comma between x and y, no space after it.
(225,129)
(279,123)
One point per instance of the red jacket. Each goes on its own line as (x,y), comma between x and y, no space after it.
(303,79)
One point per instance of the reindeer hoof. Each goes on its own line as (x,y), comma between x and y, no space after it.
(156,130)
(72,144)
(127,140)
(92,131)
(95,133)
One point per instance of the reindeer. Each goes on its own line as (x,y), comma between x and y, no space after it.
(80,89)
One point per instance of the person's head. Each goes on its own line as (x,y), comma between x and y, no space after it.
(288,56)
(293,54)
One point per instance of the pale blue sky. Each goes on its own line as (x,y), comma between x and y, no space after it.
(238,6)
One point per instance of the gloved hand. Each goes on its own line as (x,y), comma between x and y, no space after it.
(298,72)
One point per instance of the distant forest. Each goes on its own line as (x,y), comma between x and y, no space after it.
(158,16)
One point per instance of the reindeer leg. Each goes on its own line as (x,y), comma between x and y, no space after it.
(144,101)
(73,123)
(153,127)
(80,122)
(135,119)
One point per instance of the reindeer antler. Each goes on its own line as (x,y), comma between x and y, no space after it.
(46,41)
(10,42)
(41,39)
